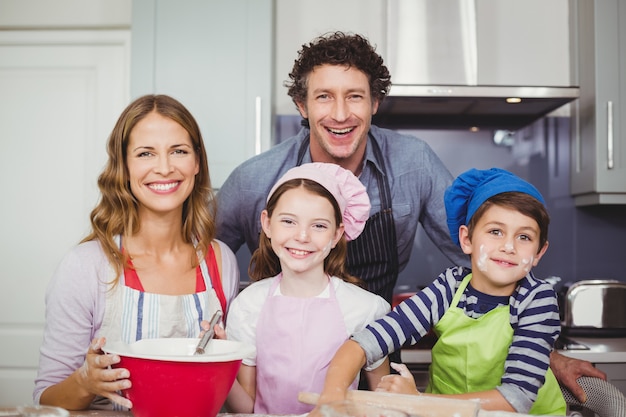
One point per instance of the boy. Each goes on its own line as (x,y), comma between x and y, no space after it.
(496,324)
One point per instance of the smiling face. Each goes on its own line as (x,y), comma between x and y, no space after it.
(339,107)
(504,246)
(161,163)
(302,230)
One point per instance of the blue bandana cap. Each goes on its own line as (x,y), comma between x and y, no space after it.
(472,188)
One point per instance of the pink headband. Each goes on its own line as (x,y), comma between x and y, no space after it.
(350,194)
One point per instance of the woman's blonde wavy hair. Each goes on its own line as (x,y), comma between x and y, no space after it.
(116,213)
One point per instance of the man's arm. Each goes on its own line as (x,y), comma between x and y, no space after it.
(567,370)
(229,220)
(433,218)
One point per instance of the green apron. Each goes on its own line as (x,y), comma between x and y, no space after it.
(470,353)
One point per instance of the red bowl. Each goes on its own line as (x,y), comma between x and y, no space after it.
(169,381)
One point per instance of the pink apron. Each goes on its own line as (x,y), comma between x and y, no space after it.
(296,339)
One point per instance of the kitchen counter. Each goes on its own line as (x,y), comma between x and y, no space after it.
(600,350)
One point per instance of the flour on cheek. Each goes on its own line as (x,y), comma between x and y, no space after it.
(527,264)
(482,259)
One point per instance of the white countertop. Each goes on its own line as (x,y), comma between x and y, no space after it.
(601,350)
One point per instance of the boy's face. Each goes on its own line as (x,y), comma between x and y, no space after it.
(503,248)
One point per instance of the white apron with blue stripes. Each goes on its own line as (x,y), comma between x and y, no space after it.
(132,315)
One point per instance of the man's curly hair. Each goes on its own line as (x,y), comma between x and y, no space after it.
(338,48)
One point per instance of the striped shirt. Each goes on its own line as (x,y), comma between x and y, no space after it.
(534,317)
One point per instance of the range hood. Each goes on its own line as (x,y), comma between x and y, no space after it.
(447,66)
(467,107)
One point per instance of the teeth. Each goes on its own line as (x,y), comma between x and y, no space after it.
(299,252)
(341,131)
(163,187)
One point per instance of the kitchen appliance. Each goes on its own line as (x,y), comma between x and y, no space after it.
(447,67)
(594,308)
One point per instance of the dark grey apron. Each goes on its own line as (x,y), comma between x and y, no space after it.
(373,256)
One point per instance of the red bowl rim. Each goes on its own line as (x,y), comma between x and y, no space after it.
(181,350)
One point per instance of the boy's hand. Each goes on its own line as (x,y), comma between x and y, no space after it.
(399,384)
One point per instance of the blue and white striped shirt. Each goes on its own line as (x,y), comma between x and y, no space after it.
(534,317)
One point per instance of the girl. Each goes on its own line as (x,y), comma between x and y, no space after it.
(150,266)
(304,304)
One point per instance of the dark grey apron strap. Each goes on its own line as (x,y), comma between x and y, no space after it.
(387,209)
(303,147)
(373,256)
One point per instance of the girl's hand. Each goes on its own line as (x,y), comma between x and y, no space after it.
(96,376)
(399,384)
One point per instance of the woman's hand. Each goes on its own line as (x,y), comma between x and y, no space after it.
(399,384)
(220,333)
(96,376)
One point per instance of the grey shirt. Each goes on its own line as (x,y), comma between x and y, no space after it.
(417,179)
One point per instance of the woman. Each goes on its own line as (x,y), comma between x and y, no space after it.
(150,266)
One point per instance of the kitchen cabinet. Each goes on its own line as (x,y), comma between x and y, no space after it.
(216,58)
(479,42)
(598,168)
(64,71)
(300,21)
(514,51)
(61,92)
(615,374)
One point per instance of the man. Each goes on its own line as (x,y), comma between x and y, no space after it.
(337,84)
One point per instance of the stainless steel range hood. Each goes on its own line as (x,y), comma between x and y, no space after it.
(466,107)
(443,58)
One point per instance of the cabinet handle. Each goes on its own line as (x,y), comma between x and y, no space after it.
(257,125)
(609,135)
